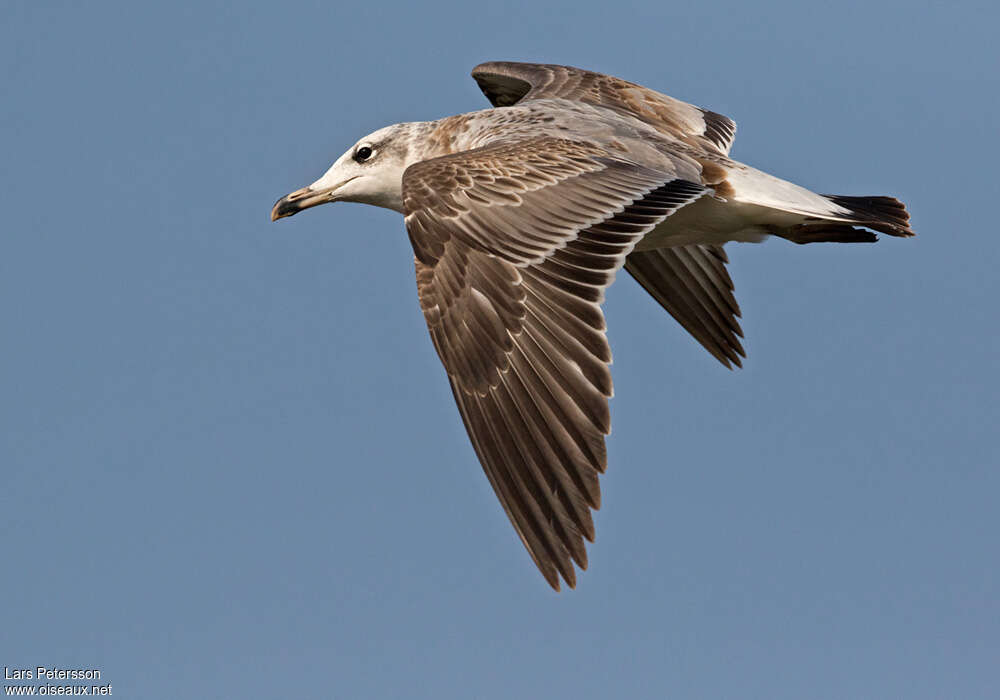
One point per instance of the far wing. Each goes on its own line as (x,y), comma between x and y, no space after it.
(691,282)
(505,83)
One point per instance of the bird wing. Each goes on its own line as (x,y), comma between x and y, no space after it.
(692,283)
(506,83)
(514,245)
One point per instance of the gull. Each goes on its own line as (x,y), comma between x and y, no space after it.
(521,215)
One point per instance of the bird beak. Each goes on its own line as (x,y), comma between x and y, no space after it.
(299,200)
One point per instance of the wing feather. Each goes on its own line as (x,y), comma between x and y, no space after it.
(505,83)
(511,293)
(692,284)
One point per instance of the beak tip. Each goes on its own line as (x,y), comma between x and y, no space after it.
(295,202)
(286,206)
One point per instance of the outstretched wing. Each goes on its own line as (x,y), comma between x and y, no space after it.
(514,247)
(505,83)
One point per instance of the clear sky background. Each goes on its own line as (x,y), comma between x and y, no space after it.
(231,464)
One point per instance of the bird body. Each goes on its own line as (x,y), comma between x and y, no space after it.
(521,215)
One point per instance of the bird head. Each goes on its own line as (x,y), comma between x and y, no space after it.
(370,172)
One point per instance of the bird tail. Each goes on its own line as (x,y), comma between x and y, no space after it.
(883,214)
(824,217)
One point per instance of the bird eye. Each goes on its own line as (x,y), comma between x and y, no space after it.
(363,153)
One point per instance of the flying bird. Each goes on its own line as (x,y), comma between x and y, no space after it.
(520,216)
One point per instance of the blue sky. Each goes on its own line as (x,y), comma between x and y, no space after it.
(231,463)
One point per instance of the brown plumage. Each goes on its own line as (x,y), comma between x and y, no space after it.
(521,216)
